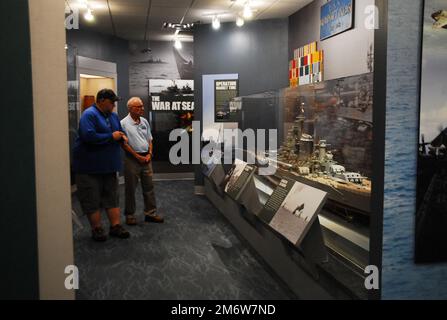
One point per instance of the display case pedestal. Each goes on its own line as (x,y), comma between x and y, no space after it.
(295,266)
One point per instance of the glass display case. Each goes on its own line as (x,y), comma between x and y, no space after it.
(324,142)
(324,137)
(327,139)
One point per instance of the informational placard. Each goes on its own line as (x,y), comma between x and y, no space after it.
(237,178)
(171,95)
(298,211)
(276,200)
(337,16)
(226,106)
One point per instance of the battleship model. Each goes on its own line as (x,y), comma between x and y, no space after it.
(311,162)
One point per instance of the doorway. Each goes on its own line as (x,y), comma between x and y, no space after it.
(89,85)
(94,75)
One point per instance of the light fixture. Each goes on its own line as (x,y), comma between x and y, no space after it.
(216,23)
(89,76)
(89,15)
(240,22)
(178,26)
(248,13)
(177,44)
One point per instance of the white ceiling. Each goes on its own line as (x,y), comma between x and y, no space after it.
(130,16)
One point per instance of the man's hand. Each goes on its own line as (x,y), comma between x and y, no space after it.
(120,136)
(148,158)
(117,135)
(141,159)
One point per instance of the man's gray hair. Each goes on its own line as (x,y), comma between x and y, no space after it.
(133,100)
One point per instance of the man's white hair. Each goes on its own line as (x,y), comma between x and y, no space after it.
(133,100)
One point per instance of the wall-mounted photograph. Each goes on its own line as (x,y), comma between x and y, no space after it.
(298,211)
(431,216)
(227,108)
(337,16)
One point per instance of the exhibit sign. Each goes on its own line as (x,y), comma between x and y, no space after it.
(298,212)
(237,178)
(337,16)
(171,95)
(226,104)
(431,200)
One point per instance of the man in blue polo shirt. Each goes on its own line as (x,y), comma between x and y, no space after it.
(137,163)
(96,161)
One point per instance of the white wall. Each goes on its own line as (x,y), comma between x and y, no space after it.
(54,225)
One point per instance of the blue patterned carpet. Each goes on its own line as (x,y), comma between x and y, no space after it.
(195,254)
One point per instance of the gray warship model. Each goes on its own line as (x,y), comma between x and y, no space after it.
(310,161)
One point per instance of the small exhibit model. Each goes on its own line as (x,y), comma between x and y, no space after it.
(313,160)
(298,211)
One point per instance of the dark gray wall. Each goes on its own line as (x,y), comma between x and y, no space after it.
(104,47)
(18,222)
(258,52)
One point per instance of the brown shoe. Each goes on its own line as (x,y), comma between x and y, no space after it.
(119,232)
(131,220)
(98,234)
(153,218)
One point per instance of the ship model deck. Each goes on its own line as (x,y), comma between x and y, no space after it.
(309,161)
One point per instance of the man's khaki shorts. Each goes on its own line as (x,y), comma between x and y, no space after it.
(96,191)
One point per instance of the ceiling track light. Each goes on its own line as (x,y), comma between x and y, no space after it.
(216,23)
(178,26)
(177,44)
(240,21)
(89,15)
(247,13)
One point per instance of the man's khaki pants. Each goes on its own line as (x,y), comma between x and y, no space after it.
(134,171)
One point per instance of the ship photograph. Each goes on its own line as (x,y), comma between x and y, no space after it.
(431,200)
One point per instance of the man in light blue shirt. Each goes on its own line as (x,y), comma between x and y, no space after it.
(137,163)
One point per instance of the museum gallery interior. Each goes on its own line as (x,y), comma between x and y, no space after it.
(295,147)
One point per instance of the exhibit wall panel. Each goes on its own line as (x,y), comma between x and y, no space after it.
(345,54)
(401,277)
(157,60)
(208,107)
(53,194)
